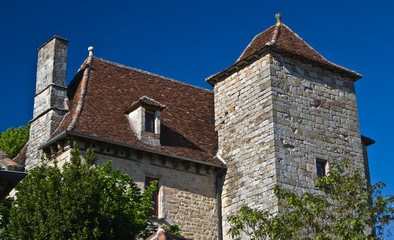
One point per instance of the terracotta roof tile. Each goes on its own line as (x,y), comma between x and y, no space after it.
(20,158)
(281,38)
(257,43)
(97,107)
(6,163)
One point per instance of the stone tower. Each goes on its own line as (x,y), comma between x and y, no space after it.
(284,114)
(50,95)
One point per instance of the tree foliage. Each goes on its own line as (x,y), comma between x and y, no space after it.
(13,140)
(80,201)
(344,208)
(174,229)
(5,207)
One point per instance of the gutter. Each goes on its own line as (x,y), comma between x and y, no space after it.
(66,133)
(218,190)
(219,187)
(12,175)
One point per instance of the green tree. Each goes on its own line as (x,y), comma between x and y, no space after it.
(13,140)
(80,201)
(344,208)
(5,207)
(174,229)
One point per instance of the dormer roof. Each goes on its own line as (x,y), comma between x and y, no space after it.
(102,91)
(280,38)
(145,101)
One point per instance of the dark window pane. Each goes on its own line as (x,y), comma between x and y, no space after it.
(155,196)
(149,122)
(321,168)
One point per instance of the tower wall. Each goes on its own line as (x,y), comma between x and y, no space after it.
(315,115)
(245,124)
(275,118)
(50,95)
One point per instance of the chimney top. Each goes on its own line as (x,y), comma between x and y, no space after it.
(57,37)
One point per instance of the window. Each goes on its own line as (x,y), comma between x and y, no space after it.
(144,118)
(321,168)
(149,122)
(155,197)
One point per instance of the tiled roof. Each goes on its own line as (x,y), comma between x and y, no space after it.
(20,158)
(11,173)
(6,163)
(281,38)
(102,91)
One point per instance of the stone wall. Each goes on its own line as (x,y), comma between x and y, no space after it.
(185,198)
(274,118)
(315,116)
(40,132)
(244,121)
(187,194)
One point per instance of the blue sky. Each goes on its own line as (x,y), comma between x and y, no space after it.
(191,40)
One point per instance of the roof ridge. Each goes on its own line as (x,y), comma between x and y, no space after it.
(257,35)
(60,124)
(81,101)
(152,74)
(242,54)
(298,36)
(83,65)
(275,38)
(276,33)
(21,154)
(323,58)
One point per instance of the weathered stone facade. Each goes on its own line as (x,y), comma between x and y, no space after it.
(50,96)
(315,115)
(275,118)
(187,193)
(186,197)
(244,121)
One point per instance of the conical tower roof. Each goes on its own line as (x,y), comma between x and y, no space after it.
(280,38)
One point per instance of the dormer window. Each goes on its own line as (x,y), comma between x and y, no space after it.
(144,117)
(149,122)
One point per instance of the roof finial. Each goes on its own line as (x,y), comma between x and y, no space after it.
(278,17)
(91,49)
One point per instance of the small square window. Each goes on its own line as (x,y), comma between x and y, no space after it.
(149,122)
(155,197)
(321,168)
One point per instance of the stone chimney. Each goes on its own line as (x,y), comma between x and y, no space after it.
(50,94)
